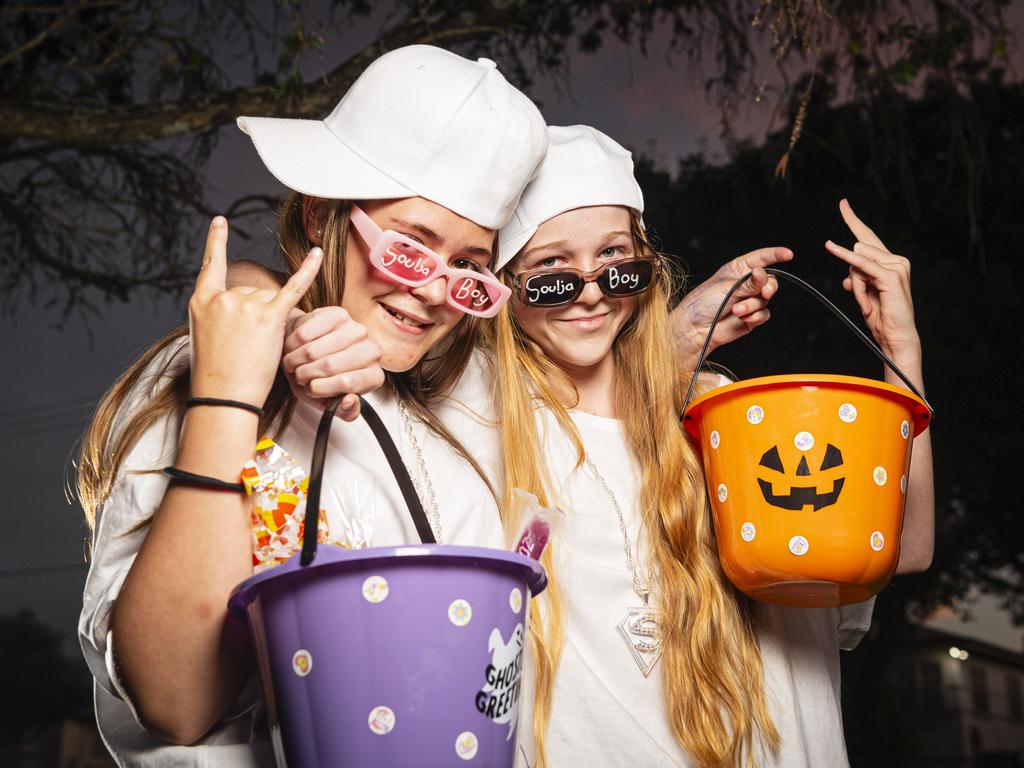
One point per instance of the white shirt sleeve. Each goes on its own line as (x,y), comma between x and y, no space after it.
(854,623)
(123,518)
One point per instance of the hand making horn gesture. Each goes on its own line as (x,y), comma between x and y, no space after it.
(237,334)
(880,282)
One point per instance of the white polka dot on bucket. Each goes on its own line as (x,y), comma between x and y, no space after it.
(848,412)
(880,476)
(466,745)
(381,720)
(877,541)
(302,662)
(460,612)
(905,429)
(755,414)
(723,492)
(715,439)
(515,600)
(748,531)
(798,545)
(903,484)
(803,441)
(375,589)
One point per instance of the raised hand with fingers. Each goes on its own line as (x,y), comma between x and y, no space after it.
(327,353)
(747,309)
(238,334)
(880,282)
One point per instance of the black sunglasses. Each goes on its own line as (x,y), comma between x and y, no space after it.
(554,287)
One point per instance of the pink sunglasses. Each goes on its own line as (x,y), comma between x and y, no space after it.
(411,263)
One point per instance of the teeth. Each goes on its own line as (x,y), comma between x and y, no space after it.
(404,319)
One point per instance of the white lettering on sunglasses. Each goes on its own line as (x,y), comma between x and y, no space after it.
(629,280)
(559,288)
(477,297)
(419,265)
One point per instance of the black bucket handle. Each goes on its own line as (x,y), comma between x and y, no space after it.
(820,297)
(316,473)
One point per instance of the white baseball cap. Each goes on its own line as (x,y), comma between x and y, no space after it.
(583,168)
(420,121)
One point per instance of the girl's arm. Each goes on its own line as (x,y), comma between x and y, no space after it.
(880,282)
(182,660)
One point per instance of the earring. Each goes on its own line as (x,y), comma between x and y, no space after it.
(319,233)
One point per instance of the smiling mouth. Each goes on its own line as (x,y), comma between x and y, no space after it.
(405,319)
(590,321)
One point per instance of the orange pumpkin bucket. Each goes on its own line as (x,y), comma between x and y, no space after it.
(807,476)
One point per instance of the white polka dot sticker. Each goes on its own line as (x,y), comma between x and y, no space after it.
(460,612)
(755,414)
(466,745)
(723,492)
(880,476)
(515,600)
(381,720)
(905,429)
(803,441)
(302,662)
(798,546)
(715,438)
(903,484)
(748,532)
(877,541)
(375,589)
(848,412)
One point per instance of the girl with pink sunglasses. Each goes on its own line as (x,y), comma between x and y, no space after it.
(174,678)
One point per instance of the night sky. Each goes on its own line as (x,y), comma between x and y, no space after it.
(60,372)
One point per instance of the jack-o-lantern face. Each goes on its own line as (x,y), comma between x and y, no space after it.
(801,495)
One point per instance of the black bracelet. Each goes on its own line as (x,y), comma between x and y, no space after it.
(203,481)
(227,403)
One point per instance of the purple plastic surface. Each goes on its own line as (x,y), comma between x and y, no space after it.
(333,649)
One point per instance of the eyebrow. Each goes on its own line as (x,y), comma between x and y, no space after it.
(545,246)
(432,236)
(563,243)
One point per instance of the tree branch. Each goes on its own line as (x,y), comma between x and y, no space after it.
(86,125)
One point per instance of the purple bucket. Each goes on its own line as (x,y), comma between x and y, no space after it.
(392,656)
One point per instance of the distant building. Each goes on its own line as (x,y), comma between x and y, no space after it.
(963,697)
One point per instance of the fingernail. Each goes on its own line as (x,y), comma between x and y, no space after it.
(316,252)
(219,221)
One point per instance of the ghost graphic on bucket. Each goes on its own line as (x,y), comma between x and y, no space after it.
(498,700)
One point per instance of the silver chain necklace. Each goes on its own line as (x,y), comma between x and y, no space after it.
(433,514)
(639,627)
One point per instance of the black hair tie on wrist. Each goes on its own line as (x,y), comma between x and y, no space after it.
(226,403)
(202,481)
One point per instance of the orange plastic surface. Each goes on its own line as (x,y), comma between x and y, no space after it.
(807,478)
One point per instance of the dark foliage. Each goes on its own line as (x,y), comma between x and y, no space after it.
(41,685)
(111,108)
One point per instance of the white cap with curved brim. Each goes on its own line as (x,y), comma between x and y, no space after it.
(583,168)
(420,121)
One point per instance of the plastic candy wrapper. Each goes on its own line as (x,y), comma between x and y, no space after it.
(278,486)
(537,523)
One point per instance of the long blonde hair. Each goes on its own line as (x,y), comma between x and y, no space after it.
(711,663)
(103,451)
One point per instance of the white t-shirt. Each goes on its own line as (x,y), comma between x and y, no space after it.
(355,468)
(604,711)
